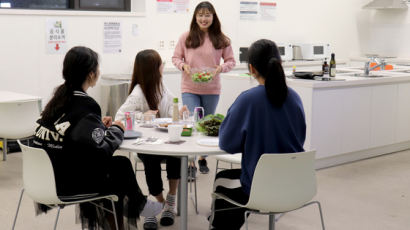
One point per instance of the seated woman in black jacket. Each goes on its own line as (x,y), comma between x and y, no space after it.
(81,146)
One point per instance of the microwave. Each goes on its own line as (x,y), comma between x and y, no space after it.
(286,51)
(312,51)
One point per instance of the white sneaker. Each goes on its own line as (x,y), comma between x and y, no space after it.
(152,208)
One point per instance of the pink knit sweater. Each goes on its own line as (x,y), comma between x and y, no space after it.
(205,56)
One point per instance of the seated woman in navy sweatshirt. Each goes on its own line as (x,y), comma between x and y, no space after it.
(268,118)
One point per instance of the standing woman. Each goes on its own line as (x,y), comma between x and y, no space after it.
(203,46)
(81,145)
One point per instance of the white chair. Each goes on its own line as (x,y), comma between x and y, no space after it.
(281,183)
(190,159)
(228,158)
(39,184)
(18,120)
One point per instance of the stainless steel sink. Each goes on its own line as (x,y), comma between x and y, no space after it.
(371,75)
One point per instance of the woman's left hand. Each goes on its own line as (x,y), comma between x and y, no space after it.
(107,120)
(218,70)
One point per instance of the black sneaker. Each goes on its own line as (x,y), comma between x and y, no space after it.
(167,218)
(191,173)
(203,168)
(150,223)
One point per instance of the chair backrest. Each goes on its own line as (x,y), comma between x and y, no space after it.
(38,175)
(18,119)
(283,182)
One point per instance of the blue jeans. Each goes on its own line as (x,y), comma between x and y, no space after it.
(209,102)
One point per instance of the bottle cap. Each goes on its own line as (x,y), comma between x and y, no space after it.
(175,100)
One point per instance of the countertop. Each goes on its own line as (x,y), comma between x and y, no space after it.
(346,78)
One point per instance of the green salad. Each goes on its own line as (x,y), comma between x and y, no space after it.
(209,125)
(202,76)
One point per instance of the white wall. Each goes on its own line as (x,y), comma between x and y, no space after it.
(385,32)
(26,68)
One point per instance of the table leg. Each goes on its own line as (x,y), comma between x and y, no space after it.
(184,193)
(4,149)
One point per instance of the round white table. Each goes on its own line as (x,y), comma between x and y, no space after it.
(183,150)
(7,98)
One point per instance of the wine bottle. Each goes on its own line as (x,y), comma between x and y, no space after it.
(332,66)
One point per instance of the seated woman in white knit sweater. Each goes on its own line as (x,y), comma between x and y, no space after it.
(148,95)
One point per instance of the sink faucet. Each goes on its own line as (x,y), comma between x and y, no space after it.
(380,63)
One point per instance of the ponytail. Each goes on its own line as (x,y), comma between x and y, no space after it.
(275,83)
(62,97)
(264,56)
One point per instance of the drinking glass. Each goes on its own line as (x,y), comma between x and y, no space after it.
(148,120)
(198,113)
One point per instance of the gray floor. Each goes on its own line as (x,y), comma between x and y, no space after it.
(369,194)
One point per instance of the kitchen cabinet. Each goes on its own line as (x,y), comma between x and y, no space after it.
(403,113)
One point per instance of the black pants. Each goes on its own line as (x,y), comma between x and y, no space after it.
(152,166)
(227,182)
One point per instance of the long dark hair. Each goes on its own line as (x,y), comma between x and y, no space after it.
(196,35)
(147,74)
(265,58)
(78,63)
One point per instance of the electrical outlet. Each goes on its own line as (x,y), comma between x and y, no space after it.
(161,45)
(172,44)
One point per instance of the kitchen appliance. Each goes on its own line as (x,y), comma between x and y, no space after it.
(286,51)
(243,54)
(311,51)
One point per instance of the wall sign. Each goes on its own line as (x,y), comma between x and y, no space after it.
(56,36)
(258,10)
(112,37)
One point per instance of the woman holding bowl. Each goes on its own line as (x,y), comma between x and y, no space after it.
(203,47)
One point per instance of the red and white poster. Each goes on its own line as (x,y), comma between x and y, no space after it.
(258,10)
(267,10)
(56,36)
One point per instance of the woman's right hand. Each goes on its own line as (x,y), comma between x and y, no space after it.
(187,69)
(120,124)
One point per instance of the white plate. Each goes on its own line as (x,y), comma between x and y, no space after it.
(212,142)
(163,120)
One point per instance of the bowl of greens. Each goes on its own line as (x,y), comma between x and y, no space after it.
(209,125)
(202,75)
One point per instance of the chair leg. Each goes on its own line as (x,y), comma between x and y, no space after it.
(18,208)
(58,214)
(272,222)
(211,218)
(216,168)
(115,215)
(246,219)
(196,198)
(321,214)
(4,149)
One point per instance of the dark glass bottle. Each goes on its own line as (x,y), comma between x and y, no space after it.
(325,67)
(332,66)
